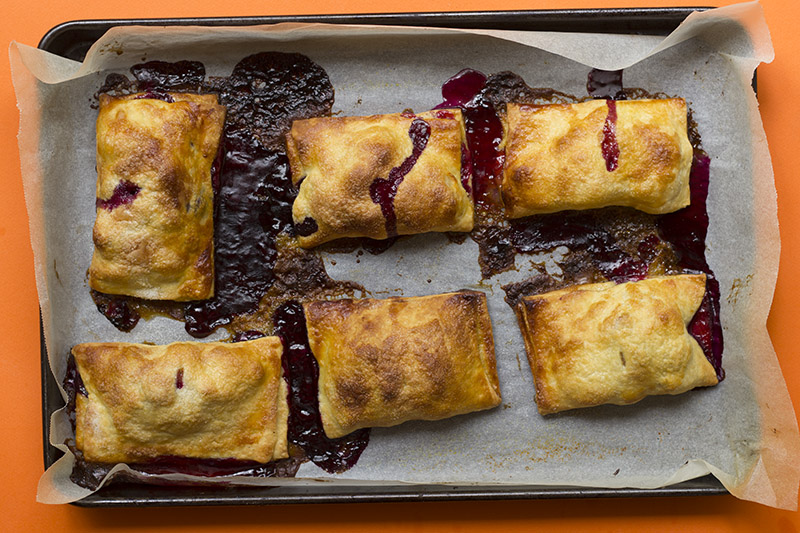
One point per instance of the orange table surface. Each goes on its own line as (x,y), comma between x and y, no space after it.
(20,408)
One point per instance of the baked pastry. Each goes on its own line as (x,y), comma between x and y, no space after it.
(379,176)
(153,236)
(383,362)
(614,343)
(633,153)
(189,399)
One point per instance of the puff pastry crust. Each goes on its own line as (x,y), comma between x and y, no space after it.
(189,399)
(157,242)
(336,160)
(606,343)
(555,159)
(383,362)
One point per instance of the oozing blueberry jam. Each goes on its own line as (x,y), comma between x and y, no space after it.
(90,474)
(307,227)
(605,84)
(156,95)
(117,310)
(124,193)
(466,169)
(484,132)
(254,193)
(609,146)
(301,372)
(686,231)
(179,379)
(253,206)
(383,190)
(247,335)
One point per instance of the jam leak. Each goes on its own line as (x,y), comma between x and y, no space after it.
(581,233)
(252,208)
(117,310)
(382,191)
(686,231)
(124,193)
(263,95)
(466,90)
(609,146)
(302,373)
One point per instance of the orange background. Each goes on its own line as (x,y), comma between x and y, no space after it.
(20,408)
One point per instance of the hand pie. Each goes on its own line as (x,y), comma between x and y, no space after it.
(188,399)
(153,236)
(600,153)
(379,176)
(607,343)
(383,362)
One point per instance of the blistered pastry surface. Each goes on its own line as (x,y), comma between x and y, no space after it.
(188,399)
(383,362)
(555,157)
(335,160)
(159,246)
(614,343)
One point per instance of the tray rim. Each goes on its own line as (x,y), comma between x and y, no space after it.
(150,495)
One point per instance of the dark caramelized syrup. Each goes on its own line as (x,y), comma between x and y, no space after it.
(382,191)
(253,206)
(162,76)
(305,423)
(605,84)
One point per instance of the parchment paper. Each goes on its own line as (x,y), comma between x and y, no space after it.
(744,430)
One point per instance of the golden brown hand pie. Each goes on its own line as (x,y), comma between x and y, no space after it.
(383,362)
(154,231)
(349,169)
(189,399)
(614,343)
(576,156)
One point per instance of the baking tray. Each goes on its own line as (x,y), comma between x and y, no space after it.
(73,39)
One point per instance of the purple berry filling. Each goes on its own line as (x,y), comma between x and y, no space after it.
(609,146)
(484,133)
(124,193)
(302,373)
(382,191)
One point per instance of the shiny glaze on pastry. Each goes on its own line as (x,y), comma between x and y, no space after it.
(154,230)
(383,362)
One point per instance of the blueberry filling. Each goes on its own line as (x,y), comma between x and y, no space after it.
(302,373)
(124,193)
(609,146)
(383,190)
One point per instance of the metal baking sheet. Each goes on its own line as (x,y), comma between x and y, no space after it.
(73,39)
